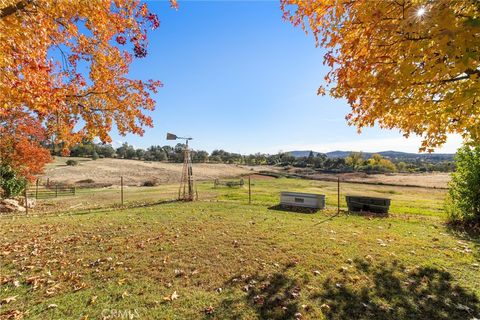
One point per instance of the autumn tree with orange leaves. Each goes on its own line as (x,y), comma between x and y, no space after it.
(21,144)
(64,74)
(407,64)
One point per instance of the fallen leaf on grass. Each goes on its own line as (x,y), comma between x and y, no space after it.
(194,272)
(325,307)
(13,314)
(209,310)
(93,299)
(52,306)
(295,293)
(173,296)
(8,300)
(463,307)
(125,294)
(179,273)
(79,286)
(258,300)
(52,290)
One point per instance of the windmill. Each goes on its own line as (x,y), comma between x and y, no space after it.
(187,190)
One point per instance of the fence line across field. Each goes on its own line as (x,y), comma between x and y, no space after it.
(124,194)
(50,191)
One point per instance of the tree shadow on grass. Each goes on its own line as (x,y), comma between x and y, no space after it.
(272,296)
(364,290)
(280,207)
(469,232)
(390,291)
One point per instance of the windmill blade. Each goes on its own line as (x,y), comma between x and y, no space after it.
(171,136)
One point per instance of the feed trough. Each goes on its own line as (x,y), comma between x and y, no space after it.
(368,204)
(304,200)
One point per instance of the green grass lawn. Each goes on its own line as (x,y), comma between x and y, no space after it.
(221,258)
(405,200)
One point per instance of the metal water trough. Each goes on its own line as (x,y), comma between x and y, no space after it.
(304,200)
(368,204)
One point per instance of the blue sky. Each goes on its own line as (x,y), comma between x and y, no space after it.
(238,77)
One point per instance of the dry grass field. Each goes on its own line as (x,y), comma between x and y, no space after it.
(429,180)
(134,172)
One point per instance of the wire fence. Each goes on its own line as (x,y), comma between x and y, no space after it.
(52,197)
(46,196)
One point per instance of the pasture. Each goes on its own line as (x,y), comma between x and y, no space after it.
(221,258)
(135,172)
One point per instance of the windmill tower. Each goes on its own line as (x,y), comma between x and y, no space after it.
(187,190)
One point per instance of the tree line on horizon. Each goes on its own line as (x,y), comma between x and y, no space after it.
(356,161)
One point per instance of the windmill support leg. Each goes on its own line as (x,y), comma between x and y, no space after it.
(187,191)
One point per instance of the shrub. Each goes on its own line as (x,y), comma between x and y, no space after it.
(10,182)
(72,162)
(95,155)
(463,201)
(86,181)
(151,183)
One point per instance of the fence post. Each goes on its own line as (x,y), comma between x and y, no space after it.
(249,191)
(338,195)
(26,200)
(121,189)
(36,190)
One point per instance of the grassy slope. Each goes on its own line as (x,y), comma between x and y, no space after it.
(403,267)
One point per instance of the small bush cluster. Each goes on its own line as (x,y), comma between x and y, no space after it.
(71,162)
(11,184)
(86,181)
(150,183)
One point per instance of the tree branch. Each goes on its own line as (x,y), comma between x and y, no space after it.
(11,9)
(85,94)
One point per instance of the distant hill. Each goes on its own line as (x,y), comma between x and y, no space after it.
(299,154)
(393,155)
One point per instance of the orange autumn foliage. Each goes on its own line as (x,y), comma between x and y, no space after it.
(413,65)
(64,65)
(20,144)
